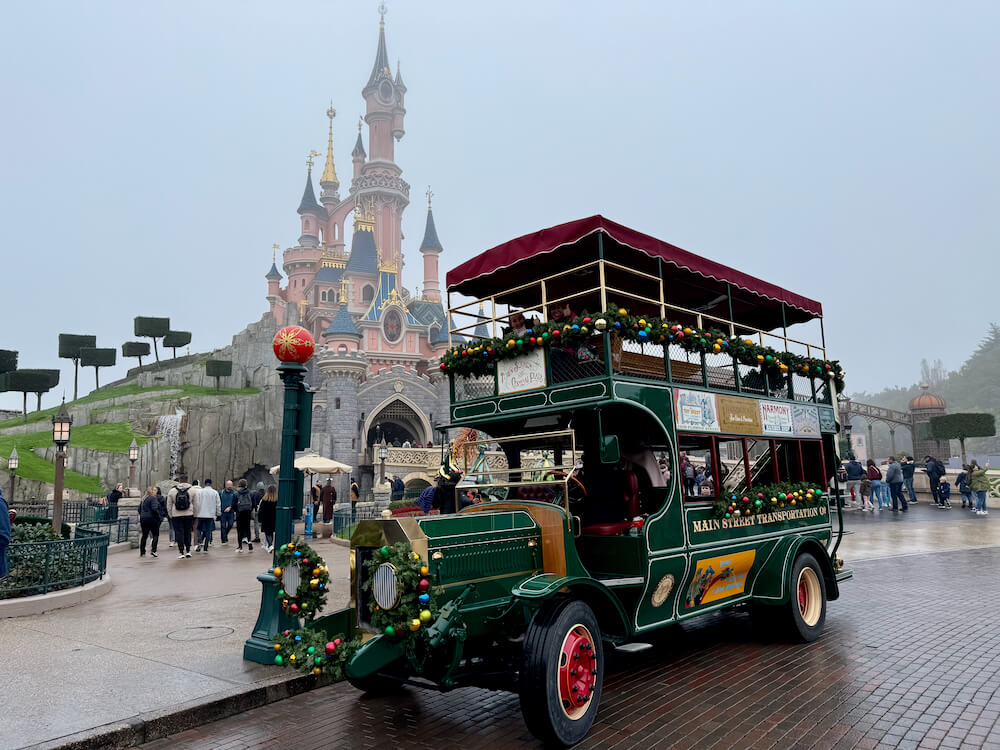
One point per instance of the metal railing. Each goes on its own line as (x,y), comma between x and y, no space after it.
(75,511)
(41,567)
(117,529)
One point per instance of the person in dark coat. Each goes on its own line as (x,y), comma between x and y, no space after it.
(328,498)
(244,511)
(934,470)
(267,512)
(4,536)
(398,488)
(151,514)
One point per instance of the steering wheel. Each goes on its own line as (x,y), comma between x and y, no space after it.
(575,489)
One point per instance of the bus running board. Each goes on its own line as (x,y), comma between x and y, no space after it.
(634,647)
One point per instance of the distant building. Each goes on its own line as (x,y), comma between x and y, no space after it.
(922,407)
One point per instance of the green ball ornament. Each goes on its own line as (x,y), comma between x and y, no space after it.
(758,503)
(318,660)
(310,650)
(818,493)
(384,552)
(728,515)
(390,631)
(782,496)
(281,592)
(279,660)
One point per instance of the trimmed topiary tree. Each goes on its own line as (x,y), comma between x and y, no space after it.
(70,345)
(98,358)
(8,360)
(176,339)
(138,349)
(29,381)
(152,328)
(218,368)
(961,426)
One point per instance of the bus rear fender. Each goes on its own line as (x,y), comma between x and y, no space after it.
(772,581)
(537,590)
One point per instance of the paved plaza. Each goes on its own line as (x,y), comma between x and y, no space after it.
(910,658)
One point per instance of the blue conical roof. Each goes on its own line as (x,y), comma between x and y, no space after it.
(342,324)
(274,273)
(364,257)
(359,147)
(381,67)
(308,205)
(430,241)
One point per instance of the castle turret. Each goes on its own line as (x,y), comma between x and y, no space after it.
(430,249)
(310,211)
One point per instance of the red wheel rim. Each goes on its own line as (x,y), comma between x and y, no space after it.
(577,672)
(803,597)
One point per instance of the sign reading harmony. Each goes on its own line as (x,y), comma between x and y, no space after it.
(525,373)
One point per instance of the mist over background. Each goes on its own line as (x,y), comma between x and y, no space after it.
(151,154)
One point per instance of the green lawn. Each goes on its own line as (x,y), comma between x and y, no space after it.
(105,394)
(115,438)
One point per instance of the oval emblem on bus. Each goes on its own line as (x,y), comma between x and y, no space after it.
(663,589)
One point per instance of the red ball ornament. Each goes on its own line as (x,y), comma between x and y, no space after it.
(533,340)
(295,608)
(331,647)
(305,560)
(337,641)
(424,584)
(444,366)
(555,333)
(288,633)
(293,344)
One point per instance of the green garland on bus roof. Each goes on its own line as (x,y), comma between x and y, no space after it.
(477,358)
(768,499)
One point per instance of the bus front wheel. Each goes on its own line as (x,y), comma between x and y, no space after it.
(562,672)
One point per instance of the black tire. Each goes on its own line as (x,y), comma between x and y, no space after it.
(806,612)
(557,626)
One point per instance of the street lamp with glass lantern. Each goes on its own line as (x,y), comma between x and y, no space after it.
(61,424)
(12,463)
(133,455)
(383,454)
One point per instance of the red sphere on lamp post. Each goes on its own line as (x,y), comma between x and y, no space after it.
(293,344)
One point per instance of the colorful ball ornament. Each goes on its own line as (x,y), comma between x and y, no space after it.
(293,344)
(294,608)
(330,647)
(390,631)
(291,658)
(424,570)
(414,625)
(279,660)
(424,599)
(425,615)
(277,572)
(277,647)
(288,633)
(311,650)
(424,584)
(600,324)
(622,311)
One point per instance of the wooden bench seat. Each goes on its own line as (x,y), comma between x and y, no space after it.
(650,366)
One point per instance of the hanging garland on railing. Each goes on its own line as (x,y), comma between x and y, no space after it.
(768,499)
(477,358)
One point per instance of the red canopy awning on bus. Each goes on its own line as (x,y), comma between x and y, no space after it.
(503,266)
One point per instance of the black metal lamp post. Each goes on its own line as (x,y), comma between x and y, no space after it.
(133,456)
(61,424)
(12,463)
(383,454)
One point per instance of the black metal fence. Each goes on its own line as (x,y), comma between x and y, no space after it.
(41,567)
(117,529)
(74,511)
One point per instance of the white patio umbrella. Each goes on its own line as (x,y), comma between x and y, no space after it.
(313,463)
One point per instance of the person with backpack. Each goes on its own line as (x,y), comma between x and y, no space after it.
(909,467)
(934,470)
(244,510)
(150,516)
(980,484)
(257,495)
(180,508)
(227,519)
(855,473)
(962,482)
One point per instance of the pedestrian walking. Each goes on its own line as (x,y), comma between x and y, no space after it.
(328,497)
(244,509)
(980,484)
(5,535)
(227,518)
(180,508)
(355,493)
(894,478)
(962,483)
(315,493)
(257,496)
(151,514)
(866,494)
(908,468)
(207,507)
(878,486)
(267,510)
(855,473)
(934,470)
(163,513)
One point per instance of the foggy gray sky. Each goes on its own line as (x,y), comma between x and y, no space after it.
(152,153)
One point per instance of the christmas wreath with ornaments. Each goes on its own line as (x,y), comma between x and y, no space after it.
(311,650)
(768,499)
(477,358)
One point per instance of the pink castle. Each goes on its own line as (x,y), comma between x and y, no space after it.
(352,300)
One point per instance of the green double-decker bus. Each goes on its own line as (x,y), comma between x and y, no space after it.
(645,436)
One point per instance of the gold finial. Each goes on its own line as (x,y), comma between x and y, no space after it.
(309,160)
(274,252)
(430,195)
(329,171)
(343,291)
(360,120)
(382,10)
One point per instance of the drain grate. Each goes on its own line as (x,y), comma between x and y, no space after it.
(200,633)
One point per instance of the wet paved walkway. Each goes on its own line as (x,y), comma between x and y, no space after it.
(910,659)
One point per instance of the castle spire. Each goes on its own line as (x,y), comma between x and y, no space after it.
(431,248)
(359,146)
(329,171)
(380,69)
(308,204)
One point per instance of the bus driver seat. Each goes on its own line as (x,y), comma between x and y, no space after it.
(630,490)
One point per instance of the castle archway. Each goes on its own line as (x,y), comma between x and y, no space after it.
(400,421)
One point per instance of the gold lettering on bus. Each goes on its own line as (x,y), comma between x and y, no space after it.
(737,522)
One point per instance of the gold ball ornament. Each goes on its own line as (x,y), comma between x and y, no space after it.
(793,502)
(278,572)
(291,657)
(600,324)
(317,671)
(277,647)
(414,625)
(774,501)
(316,572)
(425,615)
(622,311)
(291,546)
(314,583)
(424,570)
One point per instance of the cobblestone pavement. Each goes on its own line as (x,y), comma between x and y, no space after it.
(910,659)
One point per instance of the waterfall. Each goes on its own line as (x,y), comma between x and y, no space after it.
(169,425)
